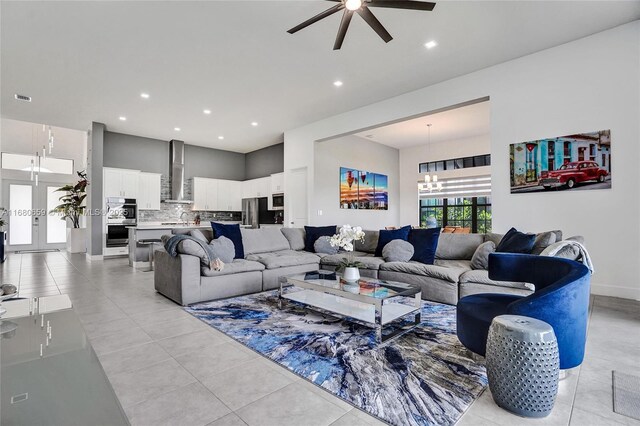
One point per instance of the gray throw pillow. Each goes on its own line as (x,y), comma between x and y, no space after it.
(397,251)
(322,246)
(192,248)
(223,249)
(196,233)
(480,259)
(295,236)
(543,240)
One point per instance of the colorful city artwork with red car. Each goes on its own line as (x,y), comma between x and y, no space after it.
(572,162)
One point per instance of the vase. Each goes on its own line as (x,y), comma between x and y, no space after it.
(351,274)
(76,240)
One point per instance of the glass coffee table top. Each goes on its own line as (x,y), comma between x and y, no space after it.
(366,287)
(49,373)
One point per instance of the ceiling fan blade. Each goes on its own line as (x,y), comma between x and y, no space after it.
(402,4)
(342,31)
(373,22)
(316,18)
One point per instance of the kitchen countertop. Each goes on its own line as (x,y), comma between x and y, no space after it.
(164,225)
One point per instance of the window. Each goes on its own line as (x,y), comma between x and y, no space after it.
(47,165)
(469,212)
(455,163)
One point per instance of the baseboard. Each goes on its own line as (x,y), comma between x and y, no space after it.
(615,291)
(95,257)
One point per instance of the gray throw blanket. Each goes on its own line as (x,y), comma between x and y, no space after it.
(171,246)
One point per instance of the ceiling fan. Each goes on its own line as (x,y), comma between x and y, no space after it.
(361,7)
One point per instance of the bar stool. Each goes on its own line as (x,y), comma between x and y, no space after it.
(150,242)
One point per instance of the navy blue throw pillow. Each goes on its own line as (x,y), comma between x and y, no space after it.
(387,236)
(232,232)
(425,243)
(515,241)
(312,233)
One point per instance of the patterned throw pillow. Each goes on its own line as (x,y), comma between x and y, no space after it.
(397,251)
(322,246)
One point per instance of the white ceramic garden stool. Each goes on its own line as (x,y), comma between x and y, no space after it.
(523,365)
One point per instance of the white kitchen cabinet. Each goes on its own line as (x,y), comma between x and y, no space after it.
(120,183)
(277,183)
(256,188)
(149,189)
(217,195)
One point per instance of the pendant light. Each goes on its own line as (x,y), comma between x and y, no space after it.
(430,181)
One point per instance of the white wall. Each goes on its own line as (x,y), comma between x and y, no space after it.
(410,159)
(360,154)
(586,85)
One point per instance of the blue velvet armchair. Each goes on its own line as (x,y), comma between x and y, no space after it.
(561,299)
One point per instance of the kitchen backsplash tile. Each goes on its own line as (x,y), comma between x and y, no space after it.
(171,212)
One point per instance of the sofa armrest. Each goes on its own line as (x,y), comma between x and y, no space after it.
(177,278)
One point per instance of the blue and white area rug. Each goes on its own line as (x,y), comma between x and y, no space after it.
(424,377)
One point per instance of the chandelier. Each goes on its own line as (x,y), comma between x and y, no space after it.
(431,182)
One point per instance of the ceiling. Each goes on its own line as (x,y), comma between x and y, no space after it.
(464,122)
(89,61)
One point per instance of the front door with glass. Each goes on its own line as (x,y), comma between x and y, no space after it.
(30,225)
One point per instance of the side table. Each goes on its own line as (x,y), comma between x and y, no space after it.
(523,365)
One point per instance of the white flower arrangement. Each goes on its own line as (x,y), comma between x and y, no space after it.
(345,239)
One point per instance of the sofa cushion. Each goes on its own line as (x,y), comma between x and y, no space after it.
(233,233)
(515,241)
(491,236)
(284,258)
(482,277)
(458,246)
(397,251)
(235,267)
(386,235)
(416,268)
(196,233)
(370,242)
(263,240)
(424,242)
(480,259)
(222,248)
(323,245)
(451,263)
(543,240)
(367,259)
(295,236)
(312,233)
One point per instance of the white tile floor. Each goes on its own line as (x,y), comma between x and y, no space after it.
(169,368)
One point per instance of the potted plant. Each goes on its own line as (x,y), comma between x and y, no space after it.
(345,239)
(72,208)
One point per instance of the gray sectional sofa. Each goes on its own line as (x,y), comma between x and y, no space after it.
(272,252)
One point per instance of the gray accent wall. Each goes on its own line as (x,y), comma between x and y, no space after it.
(212,163)
(136,153)
(95,160)
(264,162)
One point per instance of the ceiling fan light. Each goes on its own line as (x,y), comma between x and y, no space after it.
(427,179)
(435,178)
(353,4)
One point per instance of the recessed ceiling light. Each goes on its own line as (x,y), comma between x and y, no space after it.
(122,118)
(430,44)
(254,123)
(177,129)
(221,137)
(207,111)
(337,83)
(144,95)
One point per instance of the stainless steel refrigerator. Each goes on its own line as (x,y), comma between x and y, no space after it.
(250,212)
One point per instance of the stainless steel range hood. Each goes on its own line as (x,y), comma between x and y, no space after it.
(176,173)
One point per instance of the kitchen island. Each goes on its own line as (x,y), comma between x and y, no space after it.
(139,253)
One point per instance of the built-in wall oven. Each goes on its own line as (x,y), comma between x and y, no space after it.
(121,213)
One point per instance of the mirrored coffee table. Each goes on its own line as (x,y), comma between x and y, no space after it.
(49,373)
(372,302)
